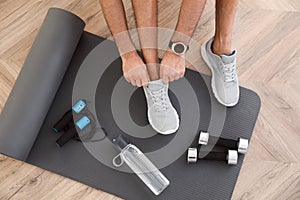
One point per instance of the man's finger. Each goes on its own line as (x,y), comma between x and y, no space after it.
(138,83)
(165,79)
(145,81)
(147,78)
(161,71)
(181,73)
(171,78)
(133,82)
(144,84)
(126,77)
(176,77)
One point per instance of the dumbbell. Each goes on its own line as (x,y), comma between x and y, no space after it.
(229,156)
(240,144)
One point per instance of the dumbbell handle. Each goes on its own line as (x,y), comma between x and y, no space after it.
(220,156)
(241,144)
(231,144)
(230,156)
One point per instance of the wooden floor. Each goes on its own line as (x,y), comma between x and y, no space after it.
(267,38)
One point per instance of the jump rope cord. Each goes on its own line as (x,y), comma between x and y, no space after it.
(94,129)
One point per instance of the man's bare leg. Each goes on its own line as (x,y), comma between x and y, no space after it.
(172,65)
(217,53)
(146,20)
(134,69)
(225,13)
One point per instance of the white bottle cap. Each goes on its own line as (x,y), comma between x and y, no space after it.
(203,138)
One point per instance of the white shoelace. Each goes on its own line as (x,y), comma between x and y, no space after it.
(229,72)
(159,100)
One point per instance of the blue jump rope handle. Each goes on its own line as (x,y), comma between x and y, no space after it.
(79,106)
(83,122)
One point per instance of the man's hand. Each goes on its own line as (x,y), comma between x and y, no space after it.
(134,69)
(172,67)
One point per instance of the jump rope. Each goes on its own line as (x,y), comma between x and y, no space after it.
(83,130)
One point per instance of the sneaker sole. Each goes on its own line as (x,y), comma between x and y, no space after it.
(168,132)
(205,58)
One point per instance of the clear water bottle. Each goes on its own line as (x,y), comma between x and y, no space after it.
(140,165)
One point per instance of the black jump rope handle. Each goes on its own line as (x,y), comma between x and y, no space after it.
(65,124)
(67,135)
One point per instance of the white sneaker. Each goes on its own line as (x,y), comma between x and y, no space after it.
(224,82)
(161,114)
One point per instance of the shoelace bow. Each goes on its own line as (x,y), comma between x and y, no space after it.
(229,72)
(159,100)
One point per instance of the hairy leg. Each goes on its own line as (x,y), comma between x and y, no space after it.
(114,14)
(134,69)
(225,13)
(146,20)
(173,65)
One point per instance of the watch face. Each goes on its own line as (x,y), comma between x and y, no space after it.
(179,48)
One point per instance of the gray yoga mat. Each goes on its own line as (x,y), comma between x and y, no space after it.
(38,81)
(204,180)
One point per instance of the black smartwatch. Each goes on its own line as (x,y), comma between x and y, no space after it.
(178,48)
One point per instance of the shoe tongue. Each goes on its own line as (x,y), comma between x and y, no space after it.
(228,58)
(155,85)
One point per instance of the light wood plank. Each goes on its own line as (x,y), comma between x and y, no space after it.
(266,35)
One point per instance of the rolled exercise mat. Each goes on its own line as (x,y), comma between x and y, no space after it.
(38,81)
